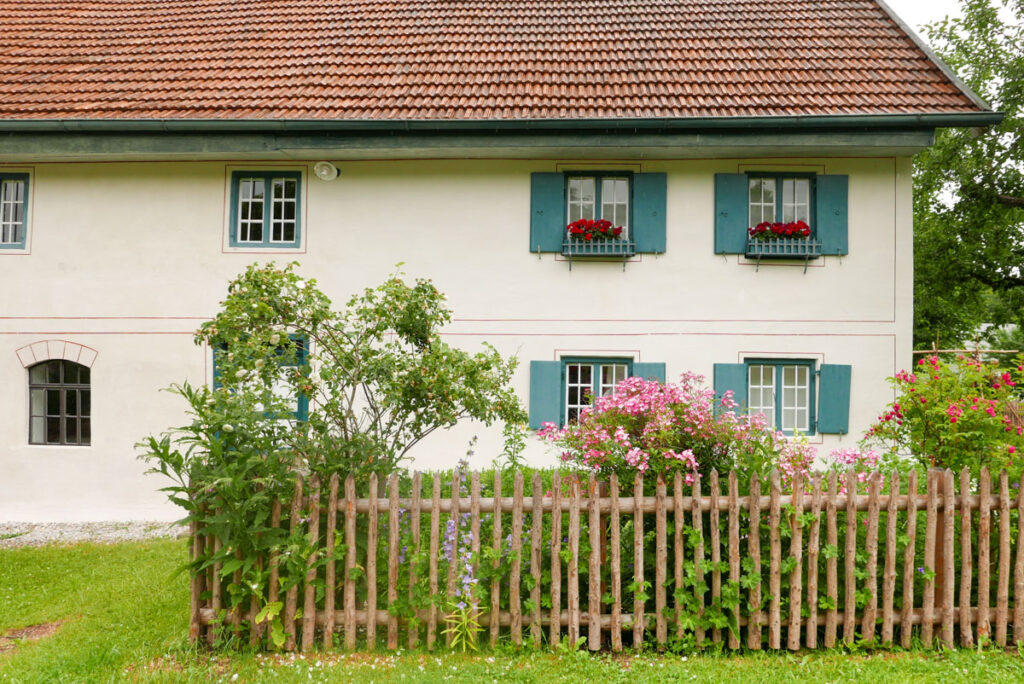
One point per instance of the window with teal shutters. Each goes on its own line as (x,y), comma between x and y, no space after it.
(559,390)
(733,201)
(301,401)
(607,195)
(772,387)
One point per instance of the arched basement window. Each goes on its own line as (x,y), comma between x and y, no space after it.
(59,403)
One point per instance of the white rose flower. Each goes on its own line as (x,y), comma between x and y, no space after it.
(228,427)
(275,339)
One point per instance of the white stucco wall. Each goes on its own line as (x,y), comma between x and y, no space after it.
(127,258)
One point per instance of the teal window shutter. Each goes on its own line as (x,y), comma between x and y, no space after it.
(731,376)
(547,211)
(649,371)
(834,399)
(649,198)
(545,393)
(832,216)
(731,213)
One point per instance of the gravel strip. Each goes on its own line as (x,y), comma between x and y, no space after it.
(14,535)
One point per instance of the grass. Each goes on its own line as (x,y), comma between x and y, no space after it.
(125,618)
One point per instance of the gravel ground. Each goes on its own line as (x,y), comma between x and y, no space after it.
(13,535)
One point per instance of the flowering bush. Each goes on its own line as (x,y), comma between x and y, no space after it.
(953,415)
(774,231)
(645,426)
(588,229)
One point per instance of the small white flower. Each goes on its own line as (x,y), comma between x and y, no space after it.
(300,284)
(275,339)
(241,373)
(228,427)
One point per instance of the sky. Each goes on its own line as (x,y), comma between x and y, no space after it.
(916,13)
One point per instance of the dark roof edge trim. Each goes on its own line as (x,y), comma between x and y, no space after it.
(818,122)
(926,49)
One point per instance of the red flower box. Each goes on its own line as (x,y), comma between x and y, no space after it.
(590,230)
(777,230)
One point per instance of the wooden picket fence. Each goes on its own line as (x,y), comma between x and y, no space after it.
(709,534)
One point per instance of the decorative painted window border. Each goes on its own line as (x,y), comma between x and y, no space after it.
(45,350)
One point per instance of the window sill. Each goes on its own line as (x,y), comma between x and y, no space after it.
(784,248)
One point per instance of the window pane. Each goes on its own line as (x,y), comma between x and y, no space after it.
(37,431)
(37,402)
(85,400)
(53,372)
(86,428)
(762,200)
(615,201)
(53,430)
(83,375)
(70,373)
(71,402)
(53,402)
(796,205)
(582,198)
(71,431)
(37,374)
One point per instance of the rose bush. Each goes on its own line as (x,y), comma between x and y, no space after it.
(645,426)
(953,415)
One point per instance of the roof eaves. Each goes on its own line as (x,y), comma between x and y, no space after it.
(943,67)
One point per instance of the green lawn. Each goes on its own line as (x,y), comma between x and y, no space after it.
(125,618)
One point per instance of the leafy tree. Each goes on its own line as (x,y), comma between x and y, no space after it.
(969,187)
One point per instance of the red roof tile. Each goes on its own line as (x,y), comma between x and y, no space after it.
(461,59)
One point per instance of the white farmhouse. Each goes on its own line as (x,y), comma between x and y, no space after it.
(150,150)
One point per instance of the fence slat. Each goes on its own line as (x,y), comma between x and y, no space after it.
(909,566)
(832,562)
(414,527)
(273,579)
(774,565)
(850,560)
(452,537)
(754,630)
(309,604)
(796,551)
(594,571)
(496,546)
(867,626)
(392,560)
(555,629)
(330,579)
(889,573)
(215,591)
(734,548)
(638,562)
(984,541)
(350,562)
(195,583)
(616,565)
(660,563)
(371,567)
(574,564)
(698,554)
(1018,573)
(931,531)
(813,547)
(292,595)
(966,637)
(949,513)
(679,518)
(1003,588)
(714,534)
(515,605)
(536,537)
(435,532)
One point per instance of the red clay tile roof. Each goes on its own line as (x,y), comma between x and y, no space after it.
(461,59)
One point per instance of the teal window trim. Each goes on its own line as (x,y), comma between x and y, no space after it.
(598,176)
(595,385)
(22,227)
(302,401)
(812,376)
(779,176)
(268,177)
